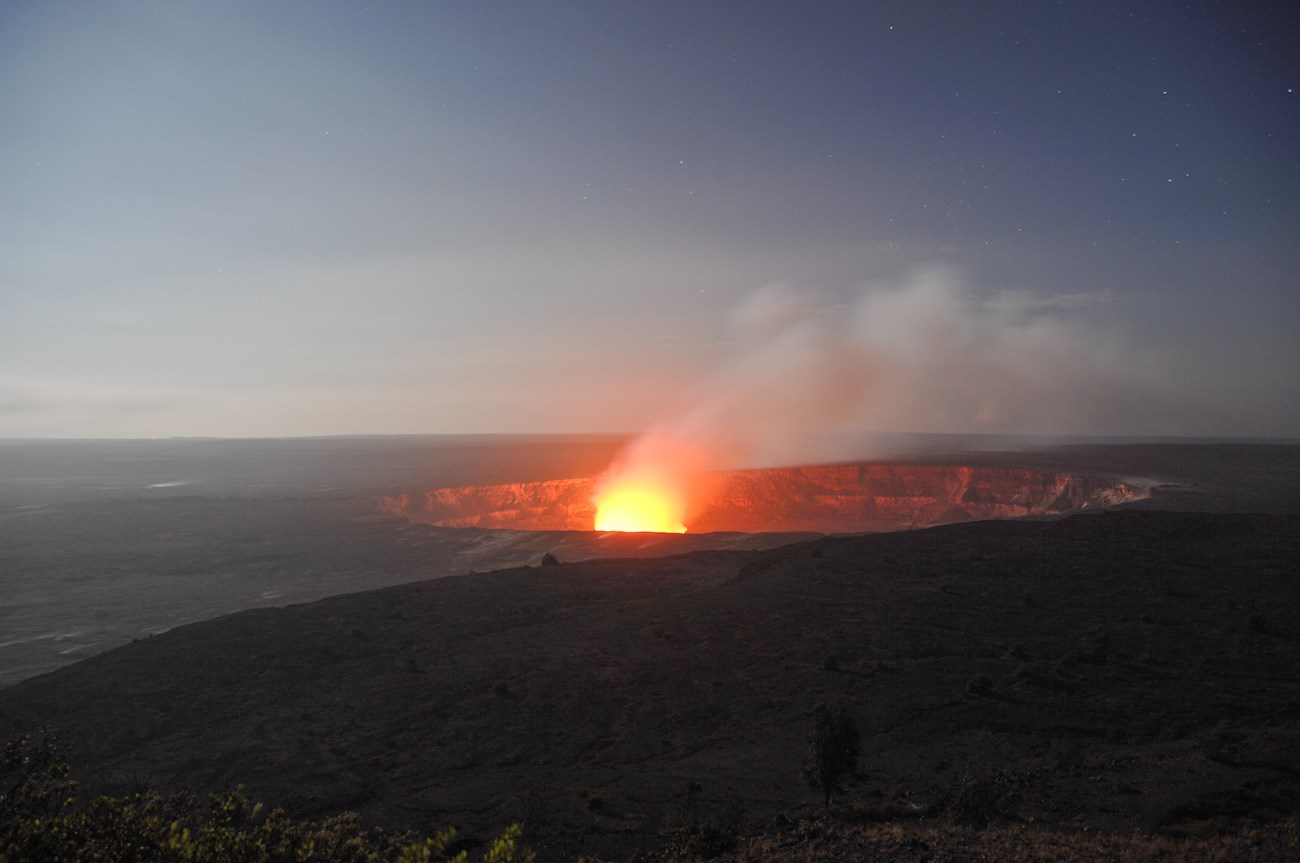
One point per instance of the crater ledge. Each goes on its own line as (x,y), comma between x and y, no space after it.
(853,498)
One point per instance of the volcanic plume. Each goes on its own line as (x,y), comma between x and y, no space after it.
(923,357)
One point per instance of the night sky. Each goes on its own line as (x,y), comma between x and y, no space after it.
(300,218)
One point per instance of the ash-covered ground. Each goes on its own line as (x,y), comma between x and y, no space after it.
(1124,670)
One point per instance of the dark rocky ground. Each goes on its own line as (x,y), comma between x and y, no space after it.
(1120,671)
(81,577)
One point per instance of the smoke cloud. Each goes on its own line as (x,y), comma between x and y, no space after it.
(923,356)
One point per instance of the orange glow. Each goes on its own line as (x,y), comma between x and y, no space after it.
(639,506)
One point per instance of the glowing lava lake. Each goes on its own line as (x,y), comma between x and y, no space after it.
(853,498)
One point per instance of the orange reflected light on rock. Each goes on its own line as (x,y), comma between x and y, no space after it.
(639,505)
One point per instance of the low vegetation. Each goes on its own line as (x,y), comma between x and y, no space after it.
(824,840)
(42,820)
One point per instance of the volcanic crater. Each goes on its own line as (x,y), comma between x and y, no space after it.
(845,498)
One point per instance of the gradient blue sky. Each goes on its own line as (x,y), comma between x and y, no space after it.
(286,218)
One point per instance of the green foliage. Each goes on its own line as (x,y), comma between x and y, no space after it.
(832,750)
(40,821)
(37,773)
(506,848)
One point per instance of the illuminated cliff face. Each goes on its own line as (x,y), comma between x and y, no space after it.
(828,499)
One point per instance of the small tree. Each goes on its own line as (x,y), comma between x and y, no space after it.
(832,750)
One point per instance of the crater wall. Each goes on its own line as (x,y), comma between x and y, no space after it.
(826,499)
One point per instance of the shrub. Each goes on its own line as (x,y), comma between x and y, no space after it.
(832,750)
(39,820)
(979,801)
(707,837)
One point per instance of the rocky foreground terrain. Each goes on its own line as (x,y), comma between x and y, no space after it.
(1132,670)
